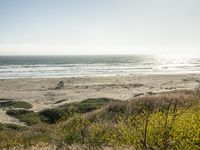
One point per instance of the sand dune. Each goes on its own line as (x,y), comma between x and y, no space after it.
(41,92)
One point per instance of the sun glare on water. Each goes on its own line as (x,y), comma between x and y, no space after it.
(170,59)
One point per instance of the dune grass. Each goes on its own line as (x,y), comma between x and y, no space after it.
(67,110)
(15,104)
(151,123)
(20,137)
(169,121)
(12,127)
(29,117)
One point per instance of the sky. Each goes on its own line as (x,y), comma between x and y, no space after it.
(70,27)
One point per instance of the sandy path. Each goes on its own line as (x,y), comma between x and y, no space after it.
(7,119)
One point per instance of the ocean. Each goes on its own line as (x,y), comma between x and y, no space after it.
(91,65)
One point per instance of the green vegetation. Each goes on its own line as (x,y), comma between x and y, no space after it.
(65,111)
(151,123)
(15,104)
(12,127)
(26,116)
(169,122)
(23,137)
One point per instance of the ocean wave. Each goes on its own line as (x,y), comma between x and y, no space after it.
(86,66)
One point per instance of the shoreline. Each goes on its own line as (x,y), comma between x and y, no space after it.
(103,75)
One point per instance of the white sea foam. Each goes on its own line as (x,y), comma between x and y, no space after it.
(61,66)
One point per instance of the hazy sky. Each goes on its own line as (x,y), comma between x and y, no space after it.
(99,26)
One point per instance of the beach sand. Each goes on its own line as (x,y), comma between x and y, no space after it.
(42,92)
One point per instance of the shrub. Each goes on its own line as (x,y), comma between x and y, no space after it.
(9,127)
(159,122)
(152,123)
(26,116)
(67,110)
(16,104)
(18,137)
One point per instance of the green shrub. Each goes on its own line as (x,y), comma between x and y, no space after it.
(9,127)
(67,110)
(16,104)
(72,131)
(26,116)
(52,115)
(146,123)
(20,137)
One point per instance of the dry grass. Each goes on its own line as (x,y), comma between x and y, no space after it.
(154,122)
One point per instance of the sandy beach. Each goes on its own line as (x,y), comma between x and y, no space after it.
(41,92)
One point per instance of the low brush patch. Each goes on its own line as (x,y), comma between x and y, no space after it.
(67,110)
(15,104)
(166,121)
(26,116)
